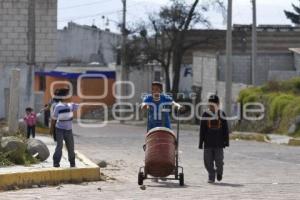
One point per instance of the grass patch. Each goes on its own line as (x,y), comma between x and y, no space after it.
(4,160)
(282,104)
(250,94)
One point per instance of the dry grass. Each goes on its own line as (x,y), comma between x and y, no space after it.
(294,142)
(42,130)
(249,137)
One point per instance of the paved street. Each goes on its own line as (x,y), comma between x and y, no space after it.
(252,170)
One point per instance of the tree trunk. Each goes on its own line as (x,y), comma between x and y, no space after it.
(177,60)
(167,76)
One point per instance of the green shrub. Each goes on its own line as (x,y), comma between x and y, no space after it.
(282,104)
(292,85)
(250,95)
(278,104)
(4,160)
(271,86)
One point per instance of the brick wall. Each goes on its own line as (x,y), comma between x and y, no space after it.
(46,31)
(14,16)
(14,44)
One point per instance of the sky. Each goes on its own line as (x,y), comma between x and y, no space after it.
(108,13)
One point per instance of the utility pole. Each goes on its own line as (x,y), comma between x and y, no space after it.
(254,43)
(31,51)
(124,70)
(228,75)
(13,110)
(124,36)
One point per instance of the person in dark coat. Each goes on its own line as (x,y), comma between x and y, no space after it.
(214,137)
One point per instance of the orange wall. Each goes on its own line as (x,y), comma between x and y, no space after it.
(37,83)
(89,87)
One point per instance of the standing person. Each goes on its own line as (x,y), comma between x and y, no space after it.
(51,107)
(46,115)
(63,115)
(214,136)
(30,120)
(157,105)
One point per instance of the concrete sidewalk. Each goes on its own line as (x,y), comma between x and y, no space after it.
(44,174)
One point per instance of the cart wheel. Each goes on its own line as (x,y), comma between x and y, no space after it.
(141,178)
(181,179)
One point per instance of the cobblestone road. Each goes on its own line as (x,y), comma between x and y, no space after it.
(252,170)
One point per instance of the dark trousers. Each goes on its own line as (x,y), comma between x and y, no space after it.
(30,131)
(213,162)
(67,136)
(46,118)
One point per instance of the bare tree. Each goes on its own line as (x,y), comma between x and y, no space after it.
(163,36)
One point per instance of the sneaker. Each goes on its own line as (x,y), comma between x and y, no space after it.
(56,165)
(210,181)
(72,165)
(219,177)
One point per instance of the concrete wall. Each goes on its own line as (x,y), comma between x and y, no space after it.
(14,43)
(5,84)
(265,63)
(282,75)
(297,61)
(14,19)
(270,39)
(87,44)
(205,75)
(46,31)
(141,78)
(39,104)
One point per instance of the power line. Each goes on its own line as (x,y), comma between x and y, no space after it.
(83,5)
(98,14)
(89,16)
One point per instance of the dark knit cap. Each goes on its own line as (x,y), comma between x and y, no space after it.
(214,99)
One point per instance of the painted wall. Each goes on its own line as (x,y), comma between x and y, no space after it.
(89,87)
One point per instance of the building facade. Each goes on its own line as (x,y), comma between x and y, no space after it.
(277,57)
(87,44)
(28,36)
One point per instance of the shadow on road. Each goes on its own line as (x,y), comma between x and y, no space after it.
(167,185)
(229,185)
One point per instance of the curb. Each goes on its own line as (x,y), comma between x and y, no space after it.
(294,142)
(249,136)
(51,176)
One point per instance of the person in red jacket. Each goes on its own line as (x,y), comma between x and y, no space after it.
(30,120)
